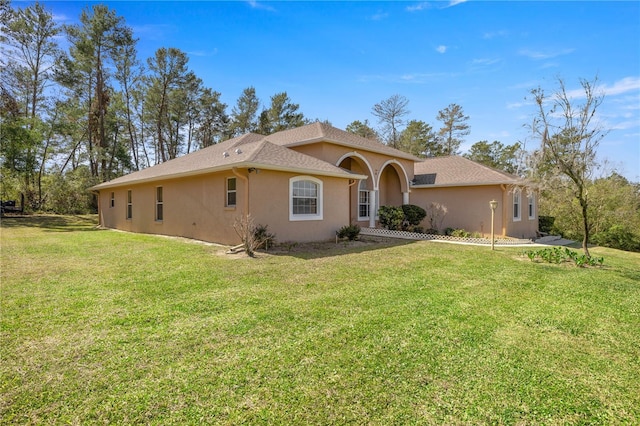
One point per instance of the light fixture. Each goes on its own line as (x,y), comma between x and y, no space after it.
(493,204)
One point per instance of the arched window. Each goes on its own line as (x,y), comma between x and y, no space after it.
(363,201)
(305,198)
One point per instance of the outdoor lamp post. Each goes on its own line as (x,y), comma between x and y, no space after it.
(493,204)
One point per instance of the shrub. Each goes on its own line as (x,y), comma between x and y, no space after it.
(263,237)
(252,237)
(545,223)
(435,214)
(391,217)
(448,231)
(460,233)
(349,232)
(617,237)
(413,214)
(417,229)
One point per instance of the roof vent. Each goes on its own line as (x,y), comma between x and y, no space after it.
(225,154)
(238,151)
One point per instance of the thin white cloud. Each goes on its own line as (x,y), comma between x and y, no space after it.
(203,53)
(154,31)
(627,84)
(418,7)
(485,61)
(540,55)
(441,49)
(494,34)
(379,16)
(260,5)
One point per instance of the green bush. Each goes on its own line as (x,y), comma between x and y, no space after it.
(391,217)
(545,223)
(460,233)
(413,214)
(263,237)
(349,232)
(617,237)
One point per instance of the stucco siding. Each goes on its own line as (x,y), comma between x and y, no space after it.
(468,208)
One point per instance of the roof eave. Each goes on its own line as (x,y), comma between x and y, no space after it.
(400,154)
(245,164)
(449,185)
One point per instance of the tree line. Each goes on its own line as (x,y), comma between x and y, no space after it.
(76,117)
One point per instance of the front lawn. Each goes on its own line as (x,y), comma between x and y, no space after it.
(100,326)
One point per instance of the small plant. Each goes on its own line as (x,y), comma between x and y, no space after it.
(461,233)
(349,232)
(264,238)
(252,237)
(435,214)
(559,255)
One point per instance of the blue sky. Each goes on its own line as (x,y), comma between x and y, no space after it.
(337,59)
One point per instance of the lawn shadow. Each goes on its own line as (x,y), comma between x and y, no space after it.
(317,250)
(52,223)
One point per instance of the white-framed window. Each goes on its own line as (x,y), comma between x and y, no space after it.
(305,198)
(532,206)
(364,207)
(231,192)
(112,200)
(129,205)
(159,204)
(517,202)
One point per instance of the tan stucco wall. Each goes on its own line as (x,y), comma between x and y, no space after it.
(332,153)
(195,207)
(468,208)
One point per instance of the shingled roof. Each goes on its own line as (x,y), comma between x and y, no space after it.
(250,150)
(458,171)
(318,132)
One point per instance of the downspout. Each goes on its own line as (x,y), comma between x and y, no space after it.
(503,187)
(245,179)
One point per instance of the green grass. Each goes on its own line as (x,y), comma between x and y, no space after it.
(108,327)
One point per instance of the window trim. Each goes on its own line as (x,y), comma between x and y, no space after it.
(129,211)
(367,204)
(231,191)
(517,205)
(159,216)
(319,199)
(112,200)
(532,206)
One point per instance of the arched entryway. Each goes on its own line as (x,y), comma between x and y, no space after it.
(386,185)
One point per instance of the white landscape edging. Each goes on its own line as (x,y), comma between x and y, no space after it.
(378,232)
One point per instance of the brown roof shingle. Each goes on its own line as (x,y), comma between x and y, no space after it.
(318,132)
(458,171)
(250,150)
